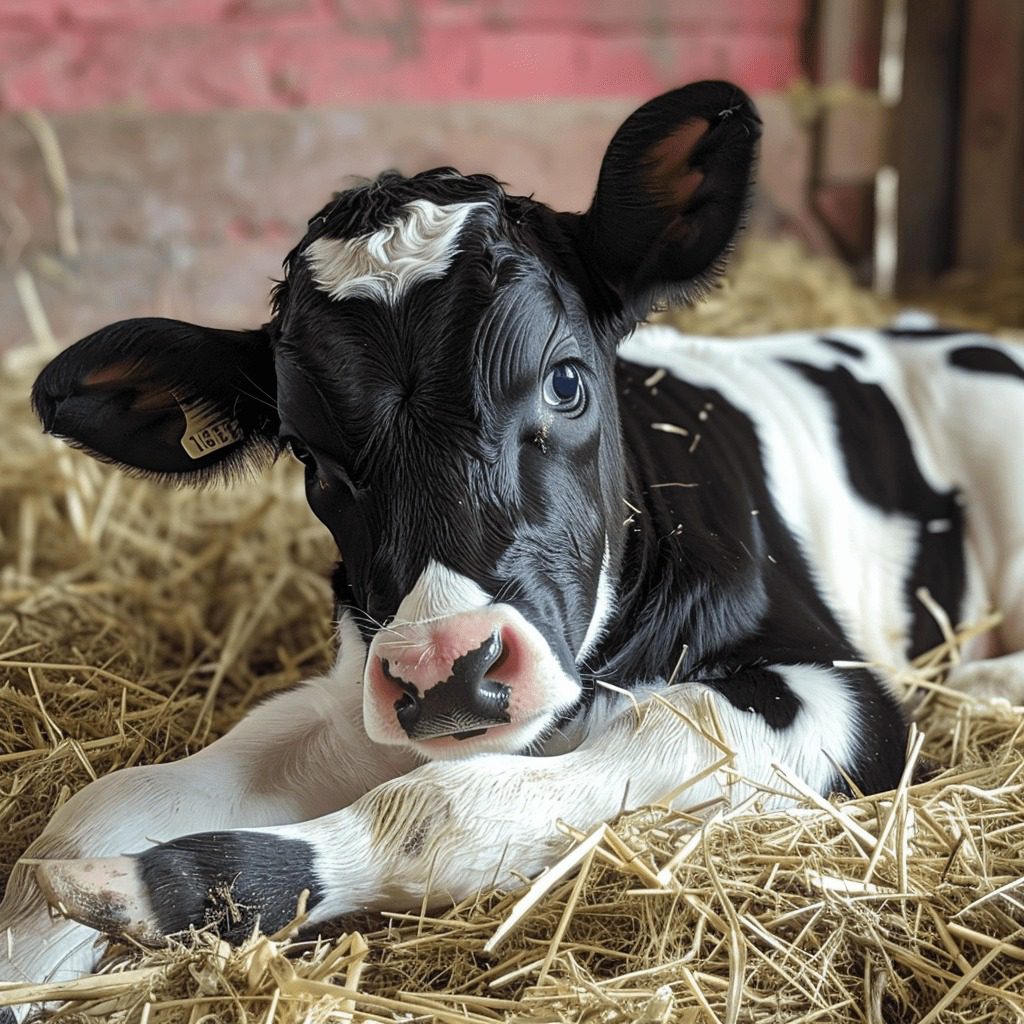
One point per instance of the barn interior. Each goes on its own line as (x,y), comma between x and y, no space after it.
(160,158)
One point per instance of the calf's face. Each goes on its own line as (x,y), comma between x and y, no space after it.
(441,360)
(449,398)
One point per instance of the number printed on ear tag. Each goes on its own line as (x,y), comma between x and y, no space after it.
(206,430)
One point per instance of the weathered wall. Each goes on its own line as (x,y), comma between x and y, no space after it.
(190,215)
(207,54)
(199,135)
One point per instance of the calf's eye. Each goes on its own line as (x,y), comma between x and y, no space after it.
(563,388)
(300,452)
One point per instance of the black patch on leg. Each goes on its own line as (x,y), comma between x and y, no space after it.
(843,347)
(761,691)
(982,359)
(228,878)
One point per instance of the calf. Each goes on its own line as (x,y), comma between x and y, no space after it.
(528,506)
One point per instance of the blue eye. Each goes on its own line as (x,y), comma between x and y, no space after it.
(563,388)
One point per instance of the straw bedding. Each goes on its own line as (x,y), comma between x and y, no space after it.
(138,623)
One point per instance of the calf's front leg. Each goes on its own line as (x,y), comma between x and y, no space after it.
(447,828)
(1000,678)
(297,755)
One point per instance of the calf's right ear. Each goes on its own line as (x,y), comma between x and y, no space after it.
(164,398)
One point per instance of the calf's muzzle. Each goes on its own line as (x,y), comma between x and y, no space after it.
(464,705)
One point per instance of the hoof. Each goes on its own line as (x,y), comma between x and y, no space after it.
(105,893)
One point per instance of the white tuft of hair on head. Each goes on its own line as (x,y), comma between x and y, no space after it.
(419,246)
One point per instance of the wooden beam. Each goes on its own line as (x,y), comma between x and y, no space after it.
(922,143)
(990,206)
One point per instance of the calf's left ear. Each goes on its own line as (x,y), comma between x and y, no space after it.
(164,398)
(672,193)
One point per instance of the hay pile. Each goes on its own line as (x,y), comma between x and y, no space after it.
(138,623)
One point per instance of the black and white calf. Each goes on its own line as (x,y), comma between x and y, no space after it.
(525,505)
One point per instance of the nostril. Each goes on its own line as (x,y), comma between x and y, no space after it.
(492,696)
(408,709)
(502,655)
(473,665)
(488,698)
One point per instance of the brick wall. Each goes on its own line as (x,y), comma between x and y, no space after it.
(191,55)
(200,134)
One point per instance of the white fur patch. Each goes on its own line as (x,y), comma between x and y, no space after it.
(484,821)
(996,679)
(821,735)
(439,592)
(419,246)
(604,603)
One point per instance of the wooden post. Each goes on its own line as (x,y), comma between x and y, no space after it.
(846,137)
(922,143)
(990,204)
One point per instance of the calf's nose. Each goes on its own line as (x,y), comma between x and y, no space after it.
(464,705)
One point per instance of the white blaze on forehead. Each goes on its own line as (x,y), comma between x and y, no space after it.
(419,246)
(440,592)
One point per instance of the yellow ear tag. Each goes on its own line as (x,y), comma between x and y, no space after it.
(206,430)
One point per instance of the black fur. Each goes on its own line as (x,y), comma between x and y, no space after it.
(715,568)
(673,192)
(843,347)
(985,359)
(883,470)
(761,692)
(111,394)
(231,879)
(923,333)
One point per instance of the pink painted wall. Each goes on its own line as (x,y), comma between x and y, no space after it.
(191,55)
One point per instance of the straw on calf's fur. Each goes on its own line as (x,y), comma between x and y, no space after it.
(79,877)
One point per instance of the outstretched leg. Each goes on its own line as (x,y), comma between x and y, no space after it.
(300,754)
(999,678)
(450,827)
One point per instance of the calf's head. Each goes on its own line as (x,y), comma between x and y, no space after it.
(441,359)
